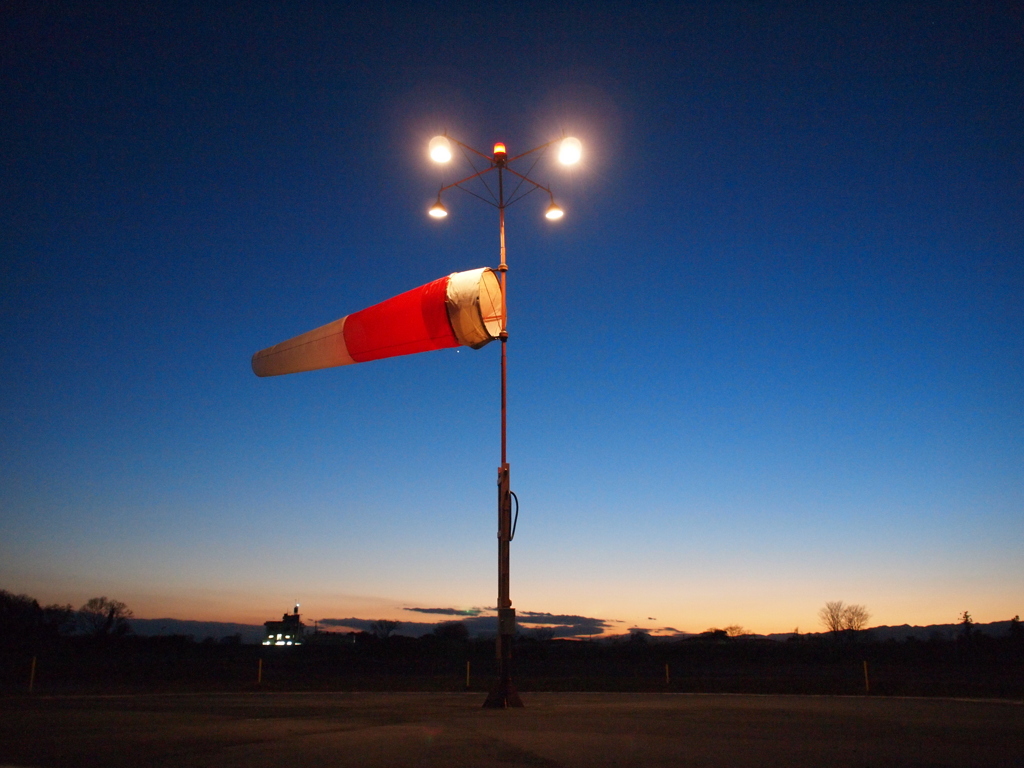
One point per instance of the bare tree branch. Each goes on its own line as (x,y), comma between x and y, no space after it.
(855,617)
(832,616)
(102,617)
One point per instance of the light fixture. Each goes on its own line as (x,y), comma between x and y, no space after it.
(570,151)
(554,212)
(437,210)
(440,149)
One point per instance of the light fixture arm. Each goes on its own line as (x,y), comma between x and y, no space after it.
(528,180)
(468,178)
(488,158)
(503,166)
(545,145)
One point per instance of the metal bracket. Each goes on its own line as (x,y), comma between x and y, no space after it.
(504,504)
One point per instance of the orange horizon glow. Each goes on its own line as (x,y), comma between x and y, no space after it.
(248,609)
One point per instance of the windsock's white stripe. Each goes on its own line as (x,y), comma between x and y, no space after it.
(323,347)
(463,313)
(471,306)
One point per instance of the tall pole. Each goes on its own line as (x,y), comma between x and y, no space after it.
(504,694)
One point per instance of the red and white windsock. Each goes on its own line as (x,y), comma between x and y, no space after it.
(463,309)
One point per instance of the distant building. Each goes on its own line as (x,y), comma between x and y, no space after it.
(288,631)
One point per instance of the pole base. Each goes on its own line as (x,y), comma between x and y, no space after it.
(503,696)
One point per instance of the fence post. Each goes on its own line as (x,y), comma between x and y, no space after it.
(667,679)
(467,674)
(867,683)
(259,672)
(32,676)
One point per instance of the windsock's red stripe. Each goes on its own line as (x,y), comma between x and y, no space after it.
(414,321)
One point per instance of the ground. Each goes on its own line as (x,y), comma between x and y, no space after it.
(577,729)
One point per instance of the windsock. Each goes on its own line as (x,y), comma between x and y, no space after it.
(462,309)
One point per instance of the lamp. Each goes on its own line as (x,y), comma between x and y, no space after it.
(570,151)
(440,150)
(437,210)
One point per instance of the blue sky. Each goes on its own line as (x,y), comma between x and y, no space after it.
(772,356)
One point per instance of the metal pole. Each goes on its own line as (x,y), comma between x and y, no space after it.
(504,694)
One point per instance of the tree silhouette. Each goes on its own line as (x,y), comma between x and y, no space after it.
(855,618)
(384,628)
(836,616)
(639,636)
(19,614)
(832,616)
(966,624)
(452,631)
(23,620)
(101,617)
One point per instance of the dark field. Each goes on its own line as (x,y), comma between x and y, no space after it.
(981,668)
(555,729)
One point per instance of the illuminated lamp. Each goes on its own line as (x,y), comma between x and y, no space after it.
(440,149)
(570,151)
(437,210)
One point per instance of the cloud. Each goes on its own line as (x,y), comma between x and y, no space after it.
(481,625)
(360,625)
(538,617)
(658,631)
(560,626)
(408,628)
(450,611)
(565,625)
(477,625)
(567,631)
